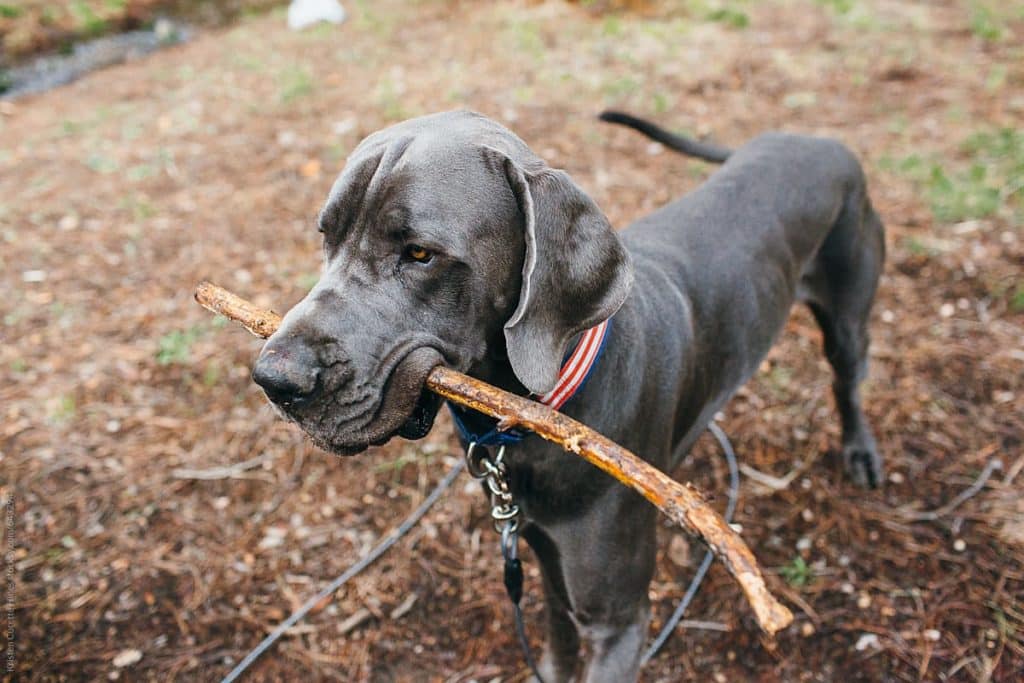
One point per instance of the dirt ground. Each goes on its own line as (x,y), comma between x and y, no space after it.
(164,520)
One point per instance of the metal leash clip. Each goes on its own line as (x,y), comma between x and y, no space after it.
(494,473)
(505,515)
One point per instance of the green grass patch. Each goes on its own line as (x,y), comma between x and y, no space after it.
(779,378)
(996,78)
(523,94)
(729,16)
(838,6)
(294,83)
(1017,300)
(964,195)
(987,24)
(102,164)
(211,374)
(992,180)
(395,466)
(369,20)
(1001,152)
(611,26)
(176,346)
(528,38)
(389,99)
(1004,147)
(69,127)
(661,102)
(797,573)
(9,11)
(64,409)
(621,87)
(86,20)
(916,247)
(726,12)
(853,14)
(49,16)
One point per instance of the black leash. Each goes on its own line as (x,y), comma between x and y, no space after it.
(505,513)
(514,587)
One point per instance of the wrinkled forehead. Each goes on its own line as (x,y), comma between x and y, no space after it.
(452,128)
(433,176)
(457,192)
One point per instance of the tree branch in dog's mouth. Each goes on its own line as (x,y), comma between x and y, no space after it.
(684,504)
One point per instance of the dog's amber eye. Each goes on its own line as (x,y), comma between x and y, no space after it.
(417,253)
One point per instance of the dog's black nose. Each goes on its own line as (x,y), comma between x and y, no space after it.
(287,373)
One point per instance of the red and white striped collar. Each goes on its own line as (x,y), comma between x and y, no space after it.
(577,367)
(575,371)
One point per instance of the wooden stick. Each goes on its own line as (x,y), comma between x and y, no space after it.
(259,321)
(683,504)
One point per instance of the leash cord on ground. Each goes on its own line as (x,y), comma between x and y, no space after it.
(691,591)
(366,561)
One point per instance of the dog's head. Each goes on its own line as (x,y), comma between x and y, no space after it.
(446,241)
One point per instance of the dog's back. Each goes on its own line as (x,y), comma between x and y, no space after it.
(786,218)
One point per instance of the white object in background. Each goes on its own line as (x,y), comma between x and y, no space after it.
(305,13)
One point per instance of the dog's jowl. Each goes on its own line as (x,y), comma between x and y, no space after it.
(446,240)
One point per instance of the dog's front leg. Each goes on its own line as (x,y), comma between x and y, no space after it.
(561,655)
(597,568)
(615,648)
(614,638)
(608,583)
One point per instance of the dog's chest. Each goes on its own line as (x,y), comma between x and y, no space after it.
(550,485)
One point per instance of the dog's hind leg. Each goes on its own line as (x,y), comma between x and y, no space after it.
(839,288)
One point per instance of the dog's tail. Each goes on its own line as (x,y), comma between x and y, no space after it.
(694,148)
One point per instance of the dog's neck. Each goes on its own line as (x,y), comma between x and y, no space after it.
(497,371)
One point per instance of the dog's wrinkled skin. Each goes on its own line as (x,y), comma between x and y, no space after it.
(524,261)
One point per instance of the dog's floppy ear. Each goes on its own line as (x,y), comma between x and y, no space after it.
(576,272)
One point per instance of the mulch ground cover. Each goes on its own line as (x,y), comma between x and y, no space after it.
(164,520)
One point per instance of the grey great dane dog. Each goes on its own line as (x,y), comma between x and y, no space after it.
(447,240)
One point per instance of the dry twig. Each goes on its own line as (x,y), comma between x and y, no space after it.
(227,472)
(683,504)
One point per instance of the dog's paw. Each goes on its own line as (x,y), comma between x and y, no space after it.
(862,462)
(551,672)
(550,676)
